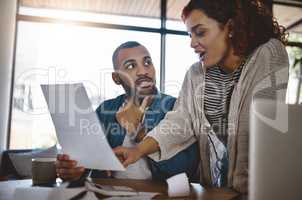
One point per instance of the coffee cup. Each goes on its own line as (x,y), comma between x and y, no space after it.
(43,171)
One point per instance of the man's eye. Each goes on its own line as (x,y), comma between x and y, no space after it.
(148,62)
(130,66)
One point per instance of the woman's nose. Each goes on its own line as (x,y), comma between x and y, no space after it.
(194,42)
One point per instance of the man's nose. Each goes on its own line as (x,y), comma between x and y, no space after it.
(142,70)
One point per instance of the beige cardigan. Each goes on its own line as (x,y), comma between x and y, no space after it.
(266,70)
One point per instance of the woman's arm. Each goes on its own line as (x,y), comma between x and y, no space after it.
(173,134)
(131,155)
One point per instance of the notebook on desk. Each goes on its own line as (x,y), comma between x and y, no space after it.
(275,151)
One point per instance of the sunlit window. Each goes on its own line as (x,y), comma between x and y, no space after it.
(177,62)
(70,41)
(56,53)
(295,71)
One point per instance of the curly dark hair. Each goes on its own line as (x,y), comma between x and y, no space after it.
(253,23)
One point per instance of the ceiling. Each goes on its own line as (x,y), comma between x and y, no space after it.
(285,14)
(288,15)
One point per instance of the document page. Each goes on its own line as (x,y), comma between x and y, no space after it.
(78,128)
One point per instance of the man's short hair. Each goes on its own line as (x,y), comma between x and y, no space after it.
(126,45)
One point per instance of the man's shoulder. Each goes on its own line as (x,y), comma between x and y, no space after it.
(110,104)
(167,97)
(166,101)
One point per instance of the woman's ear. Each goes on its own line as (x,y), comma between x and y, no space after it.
(116,78)
(230,27)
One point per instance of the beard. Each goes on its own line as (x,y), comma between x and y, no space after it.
(139,92)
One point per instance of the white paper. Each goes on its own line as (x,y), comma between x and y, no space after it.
(178,185)
(140,196)
(7,188)
(78,129)
(138,170)
(45,193)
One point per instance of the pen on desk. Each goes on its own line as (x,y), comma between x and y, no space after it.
(79,196)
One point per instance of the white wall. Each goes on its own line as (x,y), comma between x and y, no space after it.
(7,31)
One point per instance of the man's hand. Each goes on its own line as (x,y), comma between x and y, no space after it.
(127,155)
(131,115)
(67,169)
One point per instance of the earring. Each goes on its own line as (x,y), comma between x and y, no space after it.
(230,35)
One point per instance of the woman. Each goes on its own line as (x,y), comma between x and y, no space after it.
(241,50)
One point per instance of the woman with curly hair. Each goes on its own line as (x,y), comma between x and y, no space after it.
(242,53)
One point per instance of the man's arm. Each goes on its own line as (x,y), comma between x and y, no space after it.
(131,118)
(172,135)
(142,132)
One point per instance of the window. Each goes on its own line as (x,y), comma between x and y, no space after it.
(70,41)
(63,53)
(177,62)
(295,70)
(174,9)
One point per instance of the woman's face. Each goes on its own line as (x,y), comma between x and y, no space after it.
(209,39)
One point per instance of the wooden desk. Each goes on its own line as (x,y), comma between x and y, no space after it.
(7,189)
(197,192)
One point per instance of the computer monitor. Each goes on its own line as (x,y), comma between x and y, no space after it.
(275,156)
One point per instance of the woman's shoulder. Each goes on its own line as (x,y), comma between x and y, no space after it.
(195,69)
(273,47)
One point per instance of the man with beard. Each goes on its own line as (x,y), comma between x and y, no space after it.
(127,118)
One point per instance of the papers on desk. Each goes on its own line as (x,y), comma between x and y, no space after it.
(78,129)
(84,193)
(178,185)
(7,188)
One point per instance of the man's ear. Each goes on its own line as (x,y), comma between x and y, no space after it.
(116,78)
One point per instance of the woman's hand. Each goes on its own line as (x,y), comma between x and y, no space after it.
(67,169)
(131,155)
(127,155)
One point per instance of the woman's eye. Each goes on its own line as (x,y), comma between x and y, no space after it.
(200,33)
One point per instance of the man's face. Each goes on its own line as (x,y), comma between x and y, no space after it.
(135,71)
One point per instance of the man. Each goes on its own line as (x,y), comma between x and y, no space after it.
(127,118)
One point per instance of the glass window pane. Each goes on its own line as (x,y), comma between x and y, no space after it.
(174,9)
(56,53)
(177,62)
(294,91)
(126,12)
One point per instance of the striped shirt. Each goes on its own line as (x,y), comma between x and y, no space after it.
(218,91)
(219,86)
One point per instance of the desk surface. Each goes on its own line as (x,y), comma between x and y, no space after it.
(197,191)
